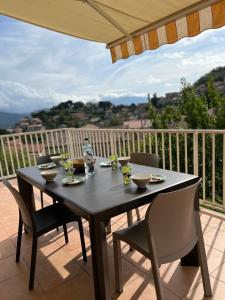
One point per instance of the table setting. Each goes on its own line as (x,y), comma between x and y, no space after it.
(105,193)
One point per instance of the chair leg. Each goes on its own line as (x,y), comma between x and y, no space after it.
(130,221)
(65,233)
(42,200)
(54,201)
(33,262)
(117,264)
(19,238)
(204,271)
(155,270)
(82,241)
(129,218)
(203,260)
(138,214)
(108,227)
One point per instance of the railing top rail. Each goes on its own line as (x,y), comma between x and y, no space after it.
(206,131)
(210,131)
(32,132)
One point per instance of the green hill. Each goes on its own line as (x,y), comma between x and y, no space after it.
(218,75)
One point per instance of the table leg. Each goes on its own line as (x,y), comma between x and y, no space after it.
(26,190)
(99,260)
(191,259)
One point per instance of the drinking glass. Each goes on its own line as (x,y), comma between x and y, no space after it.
(126,170)
(70,175)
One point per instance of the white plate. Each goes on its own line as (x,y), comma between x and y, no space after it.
(157,178)
(47,166)
(105,164)
(76,180)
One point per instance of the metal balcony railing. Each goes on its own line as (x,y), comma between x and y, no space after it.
(199,152)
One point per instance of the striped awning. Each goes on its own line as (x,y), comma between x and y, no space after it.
(189,25)
(127,27)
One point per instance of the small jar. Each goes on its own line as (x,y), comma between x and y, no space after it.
(126,170)
(114,165)
(114,161)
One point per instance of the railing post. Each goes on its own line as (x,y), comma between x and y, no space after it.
(224,170)
(1,171)
(195,152)
(112,146)
(70,140)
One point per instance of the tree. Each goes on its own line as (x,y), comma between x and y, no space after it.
(170,117)
(4,131)
(65,105)
(212,95)
(155,100)
(78,105)
(105,105)
(115,121)
(149,98)
(133,107)
(194,107)
(153,116)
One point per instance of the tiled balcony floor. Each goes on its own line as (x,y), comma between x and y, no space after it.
(61,274)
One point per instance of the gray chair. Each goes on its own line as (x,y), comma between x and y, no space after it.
(44,159)
(164,237)
(40,222)
(144,159)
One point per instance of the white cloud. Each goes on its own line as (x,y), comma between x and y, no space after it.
(150,80)
(212,59)
(25,99)
(40,68)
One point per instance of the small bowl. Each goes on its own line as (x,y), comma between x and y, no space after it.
(141,180)
(56,158)
(49,175)
(78,163)
(123,160)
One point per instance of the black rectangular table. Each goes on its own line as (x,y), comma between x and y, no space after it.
(102,196)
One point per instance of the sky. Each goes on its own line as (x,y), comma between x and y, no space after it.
(40,68)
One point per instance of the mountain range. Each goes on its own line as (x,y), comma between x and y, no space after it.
(9,119)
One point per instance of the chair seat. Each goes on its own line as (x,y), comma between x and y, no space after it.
(52,216)
(135,235)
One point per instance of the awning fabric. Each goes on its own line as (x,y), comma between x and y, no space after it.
(127,27)
(190,25)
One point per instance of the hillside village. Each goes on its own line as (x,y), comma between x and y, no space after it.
(104,114)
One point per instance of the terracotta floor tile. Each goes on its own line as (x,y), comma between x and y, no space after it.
(3,234)
(16,288)
(45,250)
(7,248)
(53,274)
(218,290)
(74,238)
(214,220)
(9,268)
(142,288)
(61,273)
(215,238)
(219,273)
(78,287)
(176,278)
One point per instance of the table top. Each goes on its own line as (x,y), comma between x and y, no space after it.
(104,191)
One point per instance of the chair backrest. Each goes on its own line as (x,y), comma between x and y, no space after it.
(145,159)
(171,223)
(44,159)
(25,213)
